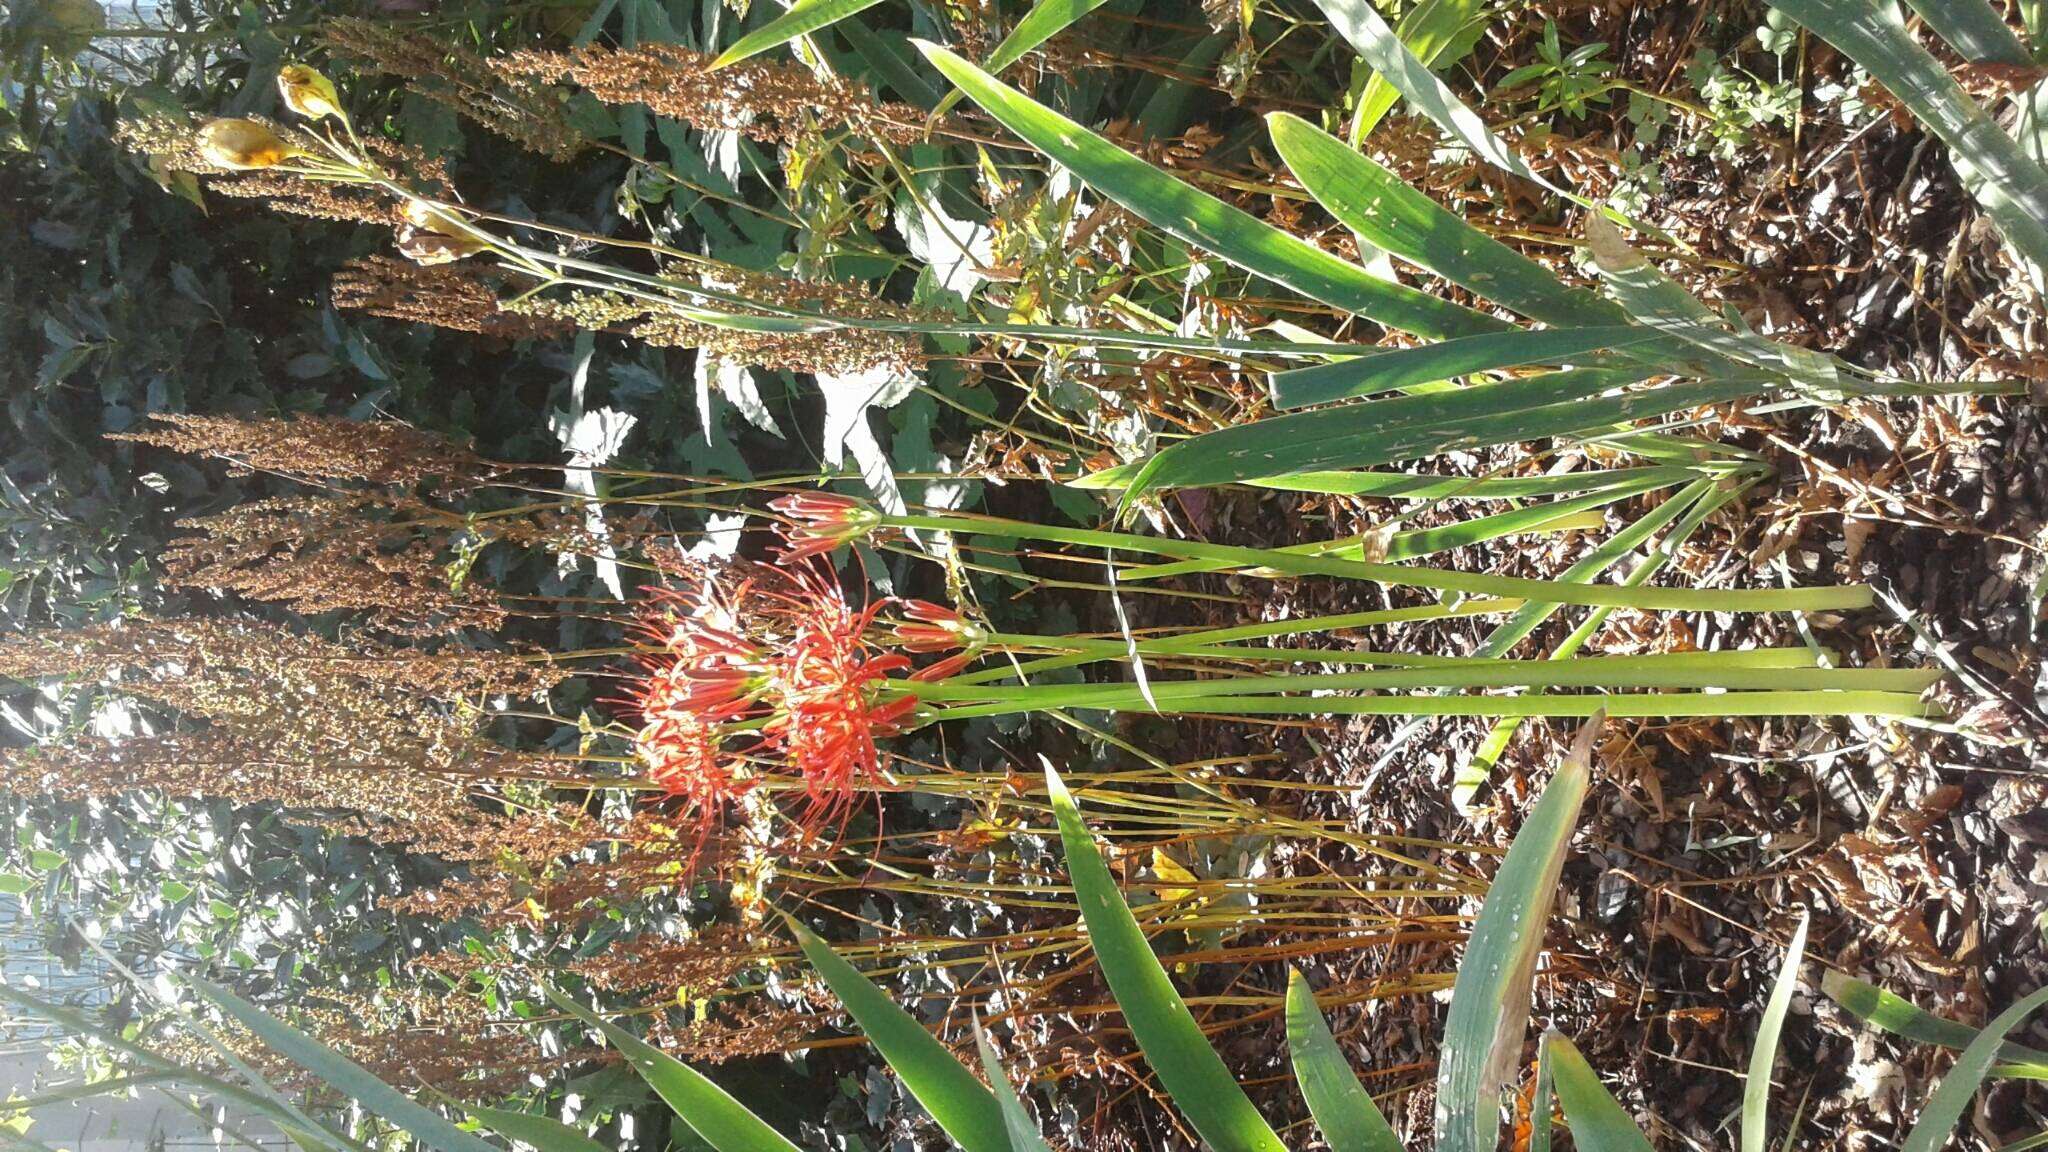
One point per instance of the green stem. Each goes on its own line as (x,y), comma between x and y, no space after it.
(1622,706)
(1107,648)
(1830,598)
(1174,645)
(1415,543)
(1679,670)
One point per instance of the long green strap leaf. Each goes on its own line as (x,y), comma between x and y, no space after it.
(1979,34)
(803,18)
(1375,203)
(2011,186)
(344,1075)
(1763,1055)
(1407,427)
(1412,486)
(709,1111)
(1597,1119)
(1342,1108)
(892,61)
(1690,508)
(1173,1043)
(1195,217)
(1419,542)
(1542,1101)
(1946,1106)
(303,1129)
(960,1103)
(1490,1001)
(1047,19)
(1424,487)
(542,1132)
(1439,32)
(1024,1135)
(1402,368)
(1361,26)
(1383,209)
(1662,303)
(1901,1017)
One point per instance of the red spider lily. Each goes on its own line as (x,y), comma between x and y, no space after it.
(820,522)
(681,750)
(781,660)
(824,712)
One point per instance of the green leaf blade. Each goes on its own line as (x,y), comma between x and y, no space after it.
(956,1100)
(1342,1108)
(803,18)
(1938,1118)
(1047,19)
(544,1133)
(1173,1043)
(2010,185)
(1024,1135)
(708,1110)
(1763,1055)
(1490,1000)
(1901,1017)
(1195,217)
(1445,360)
(1598,1121)
(346,1076)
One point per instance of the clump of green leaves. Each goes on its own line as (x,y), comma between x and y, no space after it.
(1570,82)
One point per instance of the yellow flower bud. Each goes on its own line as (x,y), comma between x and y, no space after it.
(421,214)
(423,247)
(243,144)
(308,93)
(430,237)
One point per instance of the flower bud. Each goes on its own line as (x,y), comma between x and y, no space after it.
(435,218)
(933,628)
(309,93)
(423,247)
(821,522)
(243,145)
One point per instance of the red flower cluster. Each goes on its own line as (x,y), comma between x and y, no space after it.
(777,666)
